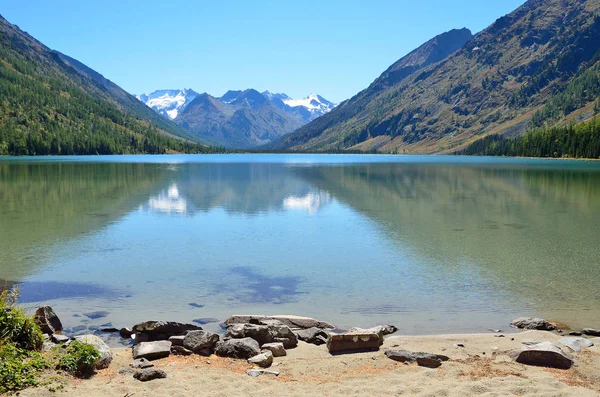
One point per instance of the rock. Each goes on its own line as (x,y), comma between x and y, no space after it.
(152,350)
(47,346)
(196,305)
(544,354)
(575,333)
(106,355)
(352,342)
(95,315)
(532,323)
(294,322)
(141,363)
(177,340)
(264,359)
(268,331)
(314,335)
(423,359)
(276,348)
(197,341)
(576,344)
(125,333)
(591,331)
(162,330)
(48,320)
(149,374)
(181,351)
(57,338)
(238,348)
(205,320)
(108,330)
(256,372)
(380,329)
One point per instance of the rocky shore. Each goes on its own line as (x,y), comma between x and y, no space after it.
(544,359)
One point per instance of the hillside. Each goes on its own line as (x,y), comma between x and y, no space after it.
(53,104)
(502,81)
(240,119)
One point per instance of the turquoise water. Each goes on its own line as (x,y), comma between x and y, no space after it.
(429,244)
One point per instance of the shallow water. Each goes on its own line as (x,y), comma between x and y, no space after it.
(430,244)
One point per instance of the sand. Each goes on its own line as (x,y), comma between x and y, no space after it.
(481,368)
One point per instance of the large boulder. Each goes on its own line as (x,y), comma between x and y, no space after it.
(152,350)
(353,342)
(268,331)
(48,320)
(294,322)
(591,332)
(106,355)
(238,348)
(197,341)
(544,354)
(532,323)
(161,330)
(314,335)
(575,343)
(429,360)
(263,360)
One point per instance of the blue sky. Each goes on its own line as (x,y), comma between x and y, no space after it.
(333,48)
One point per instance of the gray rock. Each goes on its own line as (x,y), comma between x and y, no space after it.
(591,331)
(380,329)
(106,355)
(238,348)
(146,375)
(314,335)
(257,372)
(126,371)
(264,359)
(162,330)
(276,348)
(353,342)
(141,363)
(576,344)
(177,340)
(181,351)
(96,315)
(268,332)
(197,341)
(125,333)
(293,322)
(58,338)
(532,323)
(152,350)
(48,320)
(545,354)
(429,360)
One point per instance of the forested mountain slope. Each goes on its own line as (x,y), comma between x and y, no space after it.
(53,104)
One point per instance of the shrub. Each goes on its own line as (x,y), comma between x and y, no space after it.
(80,359)
(16,326)
(18,368)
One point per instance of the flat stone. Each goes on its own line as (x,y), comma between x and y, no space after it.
(58,338)
(197,341)
(276,348)
(354,342)
(532,323)
(264,359)
(162,330)
(294,322)
(146,375)
(380,329)
(576,344)
(141,363)
(152,350)
(47,320)
(545,354)
(257,372)
(181,351)
(106,355)
(177,340)
(429,360)
(238,348)
(591,331)
(314,335)
(268,331)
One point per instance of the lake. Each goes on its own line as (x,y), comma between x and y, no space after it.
(429,244)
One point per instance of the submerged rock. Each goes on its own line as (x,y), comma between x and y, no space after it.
(48,320)
(591,331)
(576,344)
(544,354)
(532,323)
(198,341)
(106,355)
(294,322)
(96,315)
(268,331)
(152,350)
(238,348)
(264,359)
(146,375)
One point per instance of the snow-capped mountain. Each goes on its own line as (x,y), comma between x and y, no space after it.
(168,103)
(315,104)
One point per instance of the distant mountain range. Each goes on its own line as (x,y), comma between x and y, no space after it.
(538,66)
(239,119)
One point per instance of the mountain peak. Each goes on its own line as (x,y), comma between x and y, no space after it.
(168,103)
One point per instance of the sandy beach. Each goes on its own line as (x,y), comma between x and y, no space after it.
(480,368)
